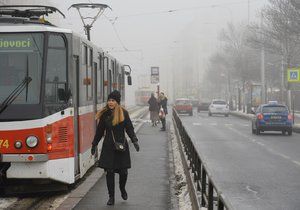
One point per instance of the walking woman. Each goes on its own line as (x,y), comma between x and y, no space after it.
(163,103)
(114,120)
(154,109)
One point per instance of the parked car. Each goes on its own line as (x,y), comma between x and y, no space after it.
(272,117)
(184,105)
(203,106)
(218,106)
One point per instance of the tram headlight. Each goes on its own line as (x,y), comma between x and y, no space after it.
(18,144)
(32,141)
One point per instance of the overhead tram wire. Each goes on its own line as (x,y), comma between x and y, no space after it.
(179,10)
(117,34)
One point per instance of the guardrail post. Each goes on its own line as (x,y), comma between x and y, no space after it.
(220,204)
(203,187)
(210,196)
(198,176)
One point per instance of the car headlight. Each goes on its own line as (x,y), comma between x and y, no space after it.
(32,141)
(18,144)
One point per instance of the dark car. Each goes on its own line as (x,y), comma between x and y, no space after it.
(203,106)
(272,117)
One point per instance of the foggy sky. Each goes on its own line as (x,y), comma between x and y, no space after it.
(151,36)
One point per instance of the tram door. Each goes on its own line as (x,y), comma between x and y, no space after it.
(76,118)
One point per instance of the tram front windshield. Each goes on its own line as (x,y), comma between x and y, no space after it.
(21,56)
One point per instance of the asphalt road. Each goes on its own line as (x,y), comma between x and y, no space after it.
(254,172)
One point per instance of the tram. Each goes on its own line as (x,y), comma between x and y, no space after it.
(142,95)
(52,82)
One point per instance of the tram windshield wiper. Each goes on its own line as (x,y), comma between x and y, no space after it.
(15,93)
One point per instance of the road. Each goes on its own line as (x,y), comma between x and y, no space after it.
(254,172)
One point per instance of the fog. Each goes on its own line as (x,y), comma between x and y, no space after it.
(177,36)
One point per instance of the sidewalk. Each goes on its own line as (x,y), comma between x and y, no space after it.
(148,179)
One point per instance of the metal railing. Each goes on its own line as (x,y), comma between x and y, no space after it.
(211,197)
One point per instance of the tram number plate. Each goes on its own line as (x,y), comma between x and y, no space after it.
(4,143)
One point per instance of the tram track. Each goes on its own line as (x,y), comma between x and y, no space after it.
(51,201)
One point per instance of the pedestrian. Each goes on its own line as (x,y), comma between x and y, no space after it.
(163,103)
(154,109)
(114,120)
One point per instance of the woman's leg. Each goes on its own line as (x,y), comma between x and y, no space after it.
(122,182)
(110,182)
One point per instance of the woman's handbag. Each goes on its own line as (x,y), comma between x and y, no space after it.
(121,147)
(161,114)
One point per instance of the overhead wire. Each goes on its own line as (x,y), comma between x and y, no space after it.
(117,33)
(180,9)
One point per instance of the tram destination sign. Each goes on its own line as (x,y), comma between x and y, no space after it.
(16,42)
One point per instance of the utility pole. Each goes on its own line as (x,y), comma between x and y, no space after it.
(248,12)
(282,78)
(262,68)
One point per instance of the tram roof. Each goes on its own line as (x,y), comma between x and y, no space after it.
(32,28)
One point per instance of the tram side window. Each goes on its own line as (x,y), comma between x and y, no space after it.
(99,89)
(109,78)
(89,76)
(56,71)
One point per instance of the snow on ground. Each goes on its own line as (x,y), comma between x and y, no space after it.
(181,190)
(6,202)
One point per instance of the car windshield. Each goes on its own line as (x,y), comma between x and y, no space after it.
(183,102)
(219,102)
(21,56)
(274,109)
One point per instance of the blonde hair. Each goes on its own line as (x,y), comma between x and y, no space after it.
(118,114)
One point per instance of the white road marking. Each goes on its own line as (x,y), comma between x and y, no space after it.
(197,124)
(284,156)
(213,124)
(246,125)
(228,124)
(253,191)
(296,162)
(260,143)
(263,145)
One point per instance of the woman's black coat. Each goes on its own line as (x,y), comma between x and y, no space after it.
(109,158)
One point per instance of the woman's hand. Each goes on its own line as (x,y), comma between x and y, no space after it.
(136,146)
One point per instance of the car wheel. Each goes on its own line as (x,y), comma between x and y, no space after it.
(283,132)
(290,132)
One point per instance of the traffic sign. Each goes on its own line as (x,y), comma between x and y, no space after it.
(154,75)
(293,75)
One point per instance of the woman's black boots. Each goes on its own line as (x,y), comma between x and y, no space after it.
(122,182)
(110,181)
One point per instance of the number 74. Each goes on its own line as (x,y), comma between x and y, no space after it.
(4,143)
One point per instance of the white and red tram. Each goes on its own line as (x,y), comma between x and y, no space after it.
(46,132)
